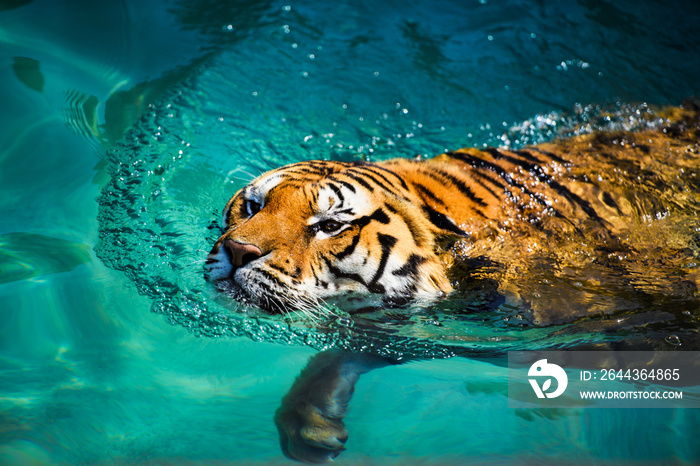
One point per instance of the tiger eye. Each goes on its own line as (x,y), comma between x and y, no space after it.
(252,207)
(329,226)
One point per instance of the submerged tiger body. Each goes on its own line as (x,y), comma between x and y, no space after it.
(368,234)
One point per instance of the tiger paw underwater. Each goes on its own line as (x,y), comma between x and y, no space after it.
(563,232)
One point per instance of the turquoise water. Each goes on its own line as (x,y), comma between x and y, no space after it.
(126,126)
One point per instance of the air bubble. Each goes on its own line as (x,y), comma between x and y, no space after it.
(344,321)
(673,340)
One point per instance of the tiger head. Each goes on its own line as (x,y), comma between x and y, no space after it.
(339,232)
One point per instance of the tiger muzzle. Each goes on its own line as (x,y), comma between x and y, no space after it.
(241,254)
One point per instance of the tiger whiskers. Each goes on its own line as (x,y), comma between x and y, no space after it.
(247,179)
(318,312)
(310,308)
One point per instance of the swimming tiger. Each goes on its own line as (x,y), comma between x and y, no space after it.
(388,233)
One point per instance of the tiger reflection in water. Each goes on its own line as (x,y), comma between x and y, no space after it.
(367,235)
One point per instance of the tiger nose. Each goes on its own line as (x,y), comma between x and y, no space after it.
(241,253)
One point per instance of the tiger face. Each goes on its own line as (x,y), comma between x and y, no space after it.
(320,231)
